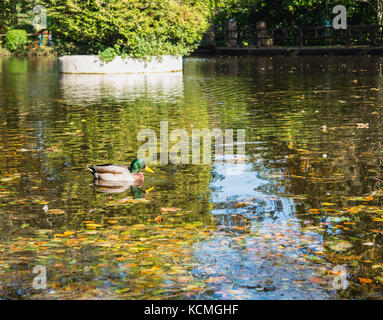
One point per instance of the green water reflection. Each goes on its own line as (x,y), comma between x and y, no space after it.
(310,197)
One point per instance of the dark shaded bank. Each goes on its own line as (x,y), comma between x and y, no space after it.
(288,51)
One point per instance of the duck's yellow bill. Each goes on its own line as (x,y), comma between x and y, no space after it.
(149,170)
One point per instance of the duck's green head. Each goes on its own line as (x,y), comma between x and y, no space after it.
(138,165)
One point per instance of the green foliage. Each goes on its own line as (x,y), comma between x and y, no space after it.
(12,13)
(141,28)
(109,54)
(4,52)
(16,39)
(288,13)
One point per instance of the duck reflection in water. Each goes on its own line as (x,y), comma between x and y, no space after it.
(119,187)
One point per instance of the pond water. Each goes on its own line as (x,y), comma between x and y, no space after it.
(304,220)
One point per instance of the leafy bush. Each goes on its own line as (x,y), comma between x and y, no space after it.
(109,54)
(16,39)
(141,28)
(290,13)
(4,52)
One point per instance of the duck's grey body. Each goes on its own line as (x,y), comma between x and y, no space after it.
(112,172)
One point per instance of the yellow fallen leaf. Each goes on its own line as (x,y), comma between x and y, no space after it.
(130,265)
(364,280)
(169,209)
(93,225)
(159,219)
(121,258)
(122,290)
(56,211)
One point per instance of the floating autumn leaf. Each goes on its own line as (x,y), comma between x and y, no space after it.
(159,219)
(169,209)
(317,280)
(353,209)
(68,233)
(9,178)
(240,204)
(93,225)
(151,270)
(215,279)
(58,235)
(55,211)
(340,246)
(184,279)
(121,258)
(376,231)
(364,280)
(131,200)
(122,290)
(41,202)
(130,265)
(362,125)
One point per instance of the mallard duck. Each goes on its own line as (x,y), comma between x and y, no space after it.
(116,172)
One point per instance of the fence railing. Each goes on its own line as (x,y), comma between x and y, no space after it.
(298,37)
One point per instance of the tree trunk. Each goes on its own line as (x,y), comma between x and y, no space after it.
(379,11)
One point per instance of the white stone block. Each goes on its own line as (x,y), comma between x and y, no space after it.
(93,64)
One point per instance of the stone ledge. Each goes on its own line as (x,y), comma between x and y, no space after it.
(92,64)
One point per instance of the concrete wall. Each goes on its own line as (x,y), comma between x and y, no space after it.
(92,64)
